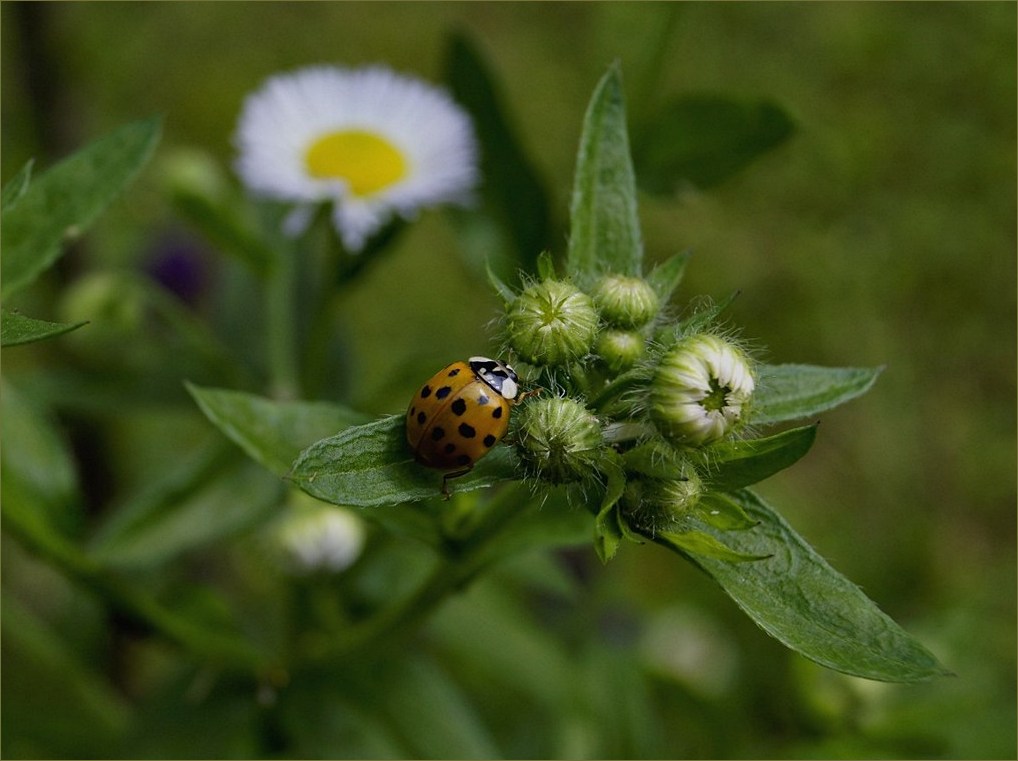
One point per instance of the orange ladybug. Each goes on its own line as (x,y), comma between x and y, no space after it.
(460,414)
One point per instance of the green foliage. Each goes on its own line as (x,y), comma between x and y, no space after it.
(160,444)
(795,596)
(17,329)
(66,199)
(604,229)
(706,139)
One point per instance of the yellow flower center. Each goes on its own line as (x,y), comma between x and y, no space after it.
(366,161)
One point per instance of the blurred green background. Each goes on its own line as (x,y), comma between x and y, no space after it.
(883,233)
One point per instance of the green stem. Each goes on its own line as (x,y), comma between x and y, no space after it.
(450,575)
(281,326)
(226,648)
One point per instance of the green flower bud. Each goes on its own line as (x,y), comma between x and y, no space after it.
(551,323)
(626,302)
(558,439)
(654,503)
(700,390)
(620,349)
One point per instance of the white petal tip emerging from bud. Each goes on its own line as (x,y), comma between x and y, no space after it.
(700,390)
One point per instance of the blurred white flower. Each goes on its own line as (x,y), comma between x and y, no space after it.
(373,142)
(320,538)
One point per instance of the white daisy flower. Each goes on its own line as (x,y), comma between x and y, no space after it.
(374,142)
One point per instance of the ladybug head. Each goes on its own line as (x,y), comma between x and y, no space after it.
(496,374)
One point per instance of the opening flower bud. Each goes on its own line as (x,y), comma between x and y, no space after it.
(620,349)
(551,323)
(559,440)
(700,390)
(626,302)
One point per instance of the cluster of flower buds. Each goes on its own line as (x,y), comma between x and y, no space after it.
(623,377)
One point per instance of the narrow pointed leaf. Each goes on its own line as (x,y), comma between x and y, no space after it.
(64,200)
(270,431)
(797,598)
(240,497)
(607,529)
(702,545)
(15,188)
(514,193)
(17,329)
(667,275)
(604,227)
(792,392)
(704,139)
(735,464)
(504,291)
(371,465)
(723,512)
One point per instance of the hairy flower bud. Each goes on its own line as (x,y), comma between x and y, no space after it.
(551,323)
(625,302)
(559,440)
(620,349)
(653,503)
(700,389)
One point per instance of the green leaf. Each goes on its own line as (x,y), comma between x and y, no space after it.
(273,433)
(545,266)
(514,193)
(667,275)
(16,329)
(39,482)
(371,465)
(239,497)
(792,392)
(604,231)
(705,139)
(735,464)
(504,291)
(797,598)
(15,188)
(45,677)
(702,545)
(723,512)
(67,198)
(608,533)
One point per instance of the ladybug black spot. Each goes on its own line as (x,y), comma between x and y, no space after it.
(443,392)
(425,392)
(482,400)
(450,448)
(421,417)
(496,413)
(454,372)
(489,440)
(459,406)
(463,459)
(437,433)
(466,431)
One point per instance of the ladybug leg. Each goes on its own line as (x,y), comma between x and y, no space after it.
(454,474)
(525,394)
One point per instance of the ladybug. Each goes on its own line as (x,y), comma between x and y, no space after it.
(460,414)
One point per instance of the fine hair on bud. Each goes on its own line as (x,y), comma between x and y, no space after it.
(625,302)
(558,440)
(701,389)
(551,323)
